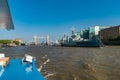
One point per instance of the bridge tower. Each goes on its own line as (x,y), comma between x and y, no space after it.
(47,40)
(35,40)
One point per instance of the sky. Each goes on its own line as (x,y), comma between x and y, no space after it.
(56,17)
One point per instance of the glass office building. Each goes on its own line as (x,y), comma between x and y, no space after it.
(5,16)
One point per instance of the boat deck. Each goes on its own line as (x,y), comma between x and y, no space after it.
(16,70)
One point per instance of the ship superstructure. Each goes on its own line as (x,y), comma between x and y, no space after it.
(87,37)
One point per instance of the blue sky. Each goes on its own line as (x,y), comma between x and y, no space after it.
(56,17)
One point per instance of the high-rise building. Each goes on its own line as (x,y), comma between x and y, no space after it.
(93,32)
(5,16)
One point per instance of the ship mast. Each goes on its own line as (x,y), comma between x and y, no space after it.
(73,30)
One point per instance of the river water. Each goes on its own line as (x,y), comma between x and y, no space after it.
(72,63)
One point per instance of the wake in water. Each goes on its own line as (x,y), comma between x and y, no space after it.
(43,64)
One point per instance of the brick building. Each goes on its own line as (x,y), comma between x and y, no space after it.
(111,32)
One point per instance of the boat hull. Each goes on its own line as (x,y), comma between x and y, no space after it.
(16,70)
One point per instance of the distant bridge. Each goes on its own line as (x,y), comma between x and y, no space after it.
(37,40)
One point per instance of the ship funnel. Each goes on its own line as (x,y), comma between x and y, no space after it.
(5,16)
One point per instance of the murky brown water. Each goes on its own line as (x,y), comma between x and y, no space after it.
(73,63)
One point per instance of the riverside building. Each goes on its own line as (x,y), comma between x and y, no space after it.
(111,32)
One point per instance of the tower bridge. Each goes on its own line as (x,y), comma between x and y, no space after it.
(36,40)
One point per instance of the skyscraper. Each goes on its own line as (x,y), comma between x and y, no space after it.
(5,16)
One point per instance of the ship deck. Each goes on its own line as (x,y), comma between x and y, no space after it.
(16,70)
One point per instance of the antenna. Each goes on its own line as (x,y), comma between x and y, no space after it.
(73,30)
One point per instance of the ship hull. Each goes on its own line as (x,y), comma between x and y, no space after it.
(89,43)
(69,44)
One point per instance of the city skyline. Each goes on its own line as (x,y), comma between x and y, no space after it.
(56,17)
